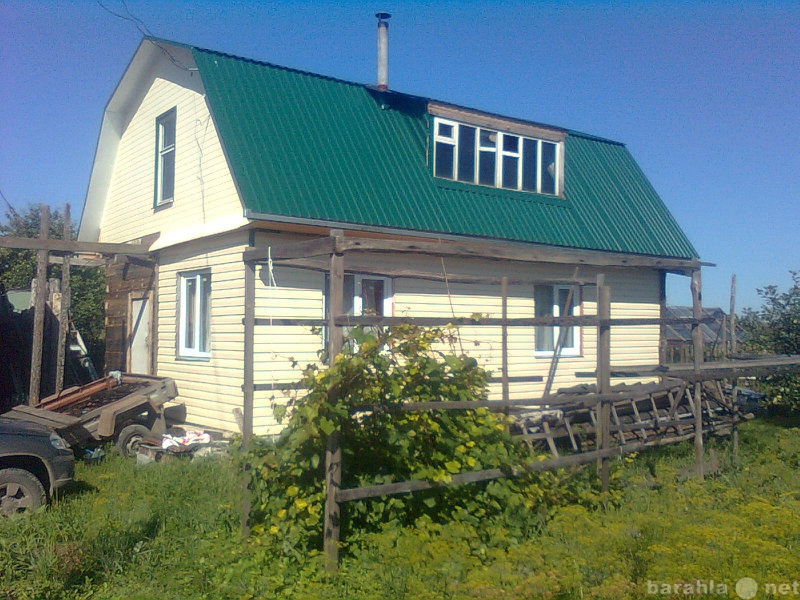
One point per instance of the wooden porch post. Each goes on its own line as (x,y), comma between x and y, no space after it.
(247,383)
(333,454)
(604,375)
(39,306)
(504,341)
(63,316)
(735,380)
(699,356)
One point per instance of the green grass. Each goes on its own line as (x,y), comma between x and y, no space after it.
(171,530)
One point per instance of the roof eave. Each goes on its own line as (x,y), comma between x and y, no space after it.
(503,249)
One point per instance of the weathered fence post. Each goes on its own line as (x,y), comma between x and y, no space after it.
(604,376)
(333,454)
(504,344)
(248,384)
(66,297)
(699,356)
(39,306)
(735,380)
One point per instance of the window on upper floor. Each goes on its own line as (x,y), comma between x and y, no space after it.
(194,315)
(555,301)
(486,156)
(165,158)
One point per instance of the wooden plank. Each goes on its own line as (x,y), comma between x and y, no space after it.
(63,315)
(562,336)
(504,339)
(333,480)
(39,306)
(513,252)
(76,394)
(732,315)
(380,269)
(573,321)
(414,485)
(551,443)
(604,376)
(571,434)
(281,385)
(248,376)
(333,453)
(323,246)
(49,418)
(64,246)
(699,358)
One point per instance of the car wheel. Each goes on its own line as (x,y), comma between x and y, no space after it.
(129,439)
(20,491)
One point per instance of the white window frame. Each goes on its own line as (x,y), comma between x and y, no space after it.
(201,328)
(555,309)
(165,152)
(388,295)
(500,153)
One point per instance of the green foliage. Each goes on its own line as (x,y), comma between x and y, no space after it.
(775,329)
(18,269)
(171,530)
(359,396)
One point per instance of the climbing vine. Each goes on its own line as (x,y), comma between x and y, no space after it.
(358,395)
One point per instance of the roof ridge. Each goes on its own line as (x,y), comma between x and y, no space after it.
(373,88)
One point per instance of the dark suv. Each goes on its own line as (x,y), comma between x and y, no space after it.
(34,462)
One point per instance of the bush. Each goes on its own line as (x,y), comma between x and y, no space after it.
(775,329)
(359,396)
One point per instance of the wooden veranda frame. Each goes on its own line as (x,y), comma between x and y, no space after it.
(327,254)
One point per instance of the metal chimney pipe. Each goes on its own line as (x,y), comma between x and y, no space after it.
(383,50)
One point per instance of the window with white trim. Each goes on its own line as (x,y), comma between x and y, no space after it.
(165,158)
(555,301)
(362,295)
(194,314)
(493,158)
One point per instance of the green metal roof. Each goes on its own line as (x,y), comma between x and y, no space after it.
(309,147)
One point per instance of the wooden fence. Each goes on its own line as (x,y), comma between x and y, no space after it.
(332,251)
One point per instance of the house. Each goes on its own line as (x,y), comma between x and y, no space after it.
(204,156)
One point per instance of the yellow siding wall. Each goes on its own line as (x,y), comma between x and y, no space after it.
(204,189)
(212,388)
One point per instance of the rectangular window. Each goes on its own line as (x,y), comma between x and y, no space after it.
(466,153)
(548,168)
(496,159)
(487,157)
(362,295)
(445,149)
(555,301)
(194,314)
(165,158)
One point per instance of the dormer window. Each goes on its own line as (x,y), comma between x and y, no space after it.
(492,157)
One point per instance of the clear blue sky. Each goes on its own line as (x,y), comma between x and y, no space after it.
(705,95)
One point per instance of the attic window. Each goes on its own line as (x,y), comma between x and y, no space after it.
(165,158)
(485,156)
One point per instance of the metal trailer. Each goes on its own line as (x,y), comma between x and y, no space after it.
(120,408)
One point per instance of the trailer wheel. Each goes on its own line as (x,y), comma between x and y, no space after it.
(20,491)
(129,439)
